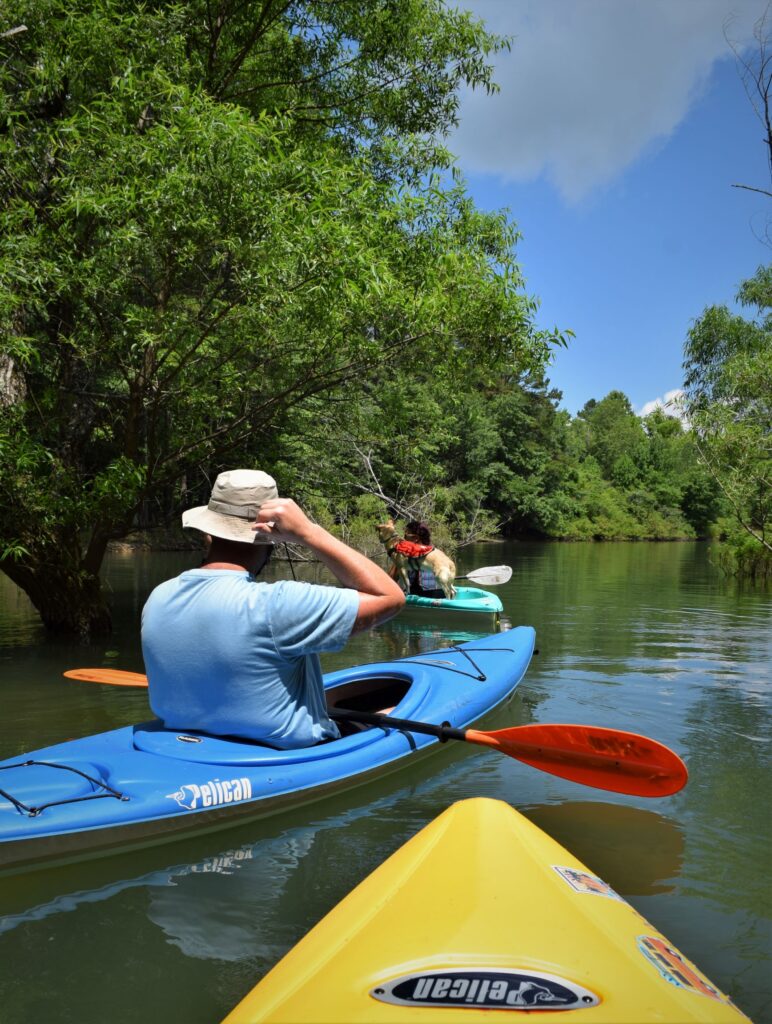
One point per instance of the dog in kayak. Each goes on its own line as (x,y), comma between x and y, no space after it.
(432,570)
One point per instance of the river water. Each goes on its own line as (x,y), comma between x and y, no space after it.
(643,637)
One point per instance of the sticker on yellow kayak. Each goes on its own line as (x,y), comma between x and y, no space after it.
(587,884)
(485,990)
(674,968)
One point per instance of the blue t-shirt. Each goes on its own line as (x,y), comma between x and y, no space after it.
(229,655)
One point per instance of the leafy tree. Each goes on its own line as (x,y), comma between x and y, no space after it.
(616,437)
(526,487)
(212,215)
(600,509)
(701,500)
(728,366)
(675,476)
(630,475)
(472,460)
(497,456)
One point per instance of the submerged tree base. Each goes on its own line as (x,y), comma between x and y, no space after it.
(69,603)
(747,561)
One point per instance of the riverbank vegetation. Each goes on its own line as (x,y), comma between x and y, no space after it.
(729,401)
(231,235)
(504,460)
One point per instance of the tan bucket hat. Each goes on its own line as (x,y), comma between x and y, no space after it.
(232,510)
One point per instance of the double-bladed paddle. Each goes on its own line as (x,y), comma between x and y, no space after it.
(489,575)
(610,759)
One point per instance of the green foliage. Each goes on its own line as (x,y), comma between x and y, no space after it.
(213,223)
(720,343)
(496,457)
(234,236)
(615,438)
(729,400)
(739,554)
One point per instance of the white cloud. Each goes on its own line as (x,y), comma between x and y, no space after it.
(671,404)
(590,85)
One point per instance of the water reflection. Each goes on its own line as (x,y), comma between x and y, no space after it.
(403,638)
(638,852)
(240,890)
(682,655)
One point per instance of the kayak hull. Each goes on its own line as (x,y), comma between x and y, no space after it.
(469,600)
(479,911)
(141,785)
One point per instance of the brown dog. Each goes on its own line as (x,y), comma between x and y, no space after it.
(444,568)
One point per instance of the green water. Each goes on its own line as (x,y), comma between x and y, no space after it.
(634,636)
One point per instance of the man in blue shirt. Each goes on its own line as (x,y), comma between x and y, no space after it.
(229,655)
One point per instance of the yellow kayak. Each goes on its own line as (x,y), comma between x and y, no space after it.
(483,911)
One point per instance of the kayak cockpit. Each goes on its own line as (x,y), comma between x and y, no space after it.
(382,692)
(375,693)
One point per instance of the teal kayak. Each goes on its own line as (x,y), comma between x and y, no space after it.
(467,599)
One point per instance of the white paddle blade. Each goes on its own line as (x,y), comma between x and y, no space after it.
(490,575)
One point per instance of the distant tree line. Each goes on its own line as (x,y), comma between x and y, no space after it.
(501,459)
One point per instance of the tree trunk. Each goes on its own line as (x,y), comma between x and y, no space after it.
(69,601)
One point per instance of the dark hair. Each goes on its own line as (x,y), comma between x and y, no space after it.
(419,530)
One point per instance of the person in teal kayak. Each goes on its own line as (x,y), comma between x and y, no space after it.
(423,582)
(228,654)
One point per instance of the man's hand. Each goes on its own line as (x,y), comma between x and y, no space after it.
(283,520)
(380,597)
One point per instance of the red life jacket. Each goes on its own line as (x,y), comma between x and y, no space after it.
(412,549)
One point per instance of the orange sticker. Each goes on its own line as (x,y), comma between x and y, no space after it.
(675,969)
(585,883)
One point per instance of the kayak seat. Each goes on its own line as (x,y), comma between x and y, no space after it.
(368,693)
(381,695)
(378,693)
(203,748)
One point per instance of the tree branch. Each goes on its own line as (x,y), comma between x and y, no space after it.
(750,188)
(737,511)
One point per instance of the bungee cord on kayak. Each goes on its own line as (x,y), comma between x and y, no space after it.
(33,812)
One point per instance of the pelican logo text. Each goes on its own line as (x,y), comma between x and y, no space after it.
(209,794)
(485,990)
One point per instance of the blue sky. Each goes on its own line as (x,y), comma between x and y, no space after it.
(618,133)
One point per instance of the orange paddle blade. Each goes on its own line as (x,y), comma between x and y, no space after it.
(113,676)
(622,762)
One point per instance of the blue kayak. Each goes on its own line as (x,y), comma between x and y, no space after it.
(467,599)
(144,784)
